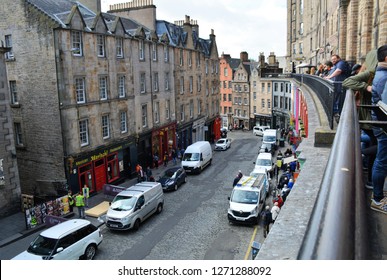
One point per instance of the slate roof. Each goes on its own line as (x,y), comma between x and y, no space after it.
(234,63)
(59,10)
(178,37)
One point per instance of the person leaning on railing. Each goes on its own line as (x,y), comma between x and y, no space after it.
(379,170)
(361,84)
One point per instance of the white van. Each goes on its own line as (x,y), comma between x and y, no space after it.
(248,199)
(270,136)
(258,130)
(196,157)
(134,205)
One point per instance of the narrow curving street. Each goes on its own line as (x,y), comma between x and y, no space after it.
(193,224)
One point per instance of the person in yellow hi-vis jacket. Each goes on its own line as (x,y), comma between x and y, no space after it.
(86,192)
(80,204)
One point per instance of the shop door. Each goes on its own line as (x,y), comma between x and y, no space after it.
(86,177)
(100,174)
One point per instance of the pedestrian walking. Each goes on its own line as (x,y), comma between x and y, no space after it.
(80,204)
(156,160)
(148,173)
(140,175)
(275,211)
(173,154)
(237,178)
(86,194)
(165,159)
(267,220)
(71,200)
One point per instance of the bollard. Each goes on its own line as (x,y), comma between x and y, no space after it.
(255,249)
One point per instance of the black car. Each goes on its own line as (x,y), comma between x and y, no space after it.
(172,178)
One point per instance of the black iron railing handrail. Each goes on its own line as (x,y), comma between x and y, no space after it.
(337,227)
(324,89)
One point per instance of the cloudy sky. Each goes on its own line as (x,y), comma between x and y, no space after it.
(242,25)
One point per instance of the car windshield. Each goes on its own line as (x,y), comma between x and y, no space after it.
(263,162)
(269,138)
(168,174)
(221,141)
(42,246)
(243,196)
(123,203)
(191,157)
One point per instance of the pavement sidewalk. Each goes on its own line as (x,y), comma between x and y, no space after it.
(13,227)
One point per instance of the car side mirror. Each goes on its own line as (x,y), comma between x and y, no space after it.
(60,249)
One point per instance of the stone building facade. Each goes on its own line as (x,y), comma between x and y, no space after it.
(9,173)
(97,92)
(227,66)
(270,103)
(350,28)
(241,93)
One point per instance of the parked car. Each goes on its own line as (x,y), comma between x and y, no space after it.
(70,240)
(265,162)
(172,178)
(222,144)
(258,130)
(267,148)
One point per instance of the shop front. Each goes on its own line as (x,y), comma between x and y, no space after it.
(198,130)
(217,128)
(210,129)
(261,120)
(184,135)
(103,166)
(164,140)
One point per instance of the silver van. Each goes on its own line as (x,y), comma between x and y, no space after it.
(134,205)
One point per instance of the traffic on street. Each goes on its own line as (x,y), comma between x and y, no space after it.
(193,223)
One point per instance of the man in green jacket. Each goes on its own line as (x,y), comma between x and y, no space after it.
(80,204)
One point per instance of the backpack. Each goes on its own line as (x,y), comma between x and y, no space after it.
(347,69)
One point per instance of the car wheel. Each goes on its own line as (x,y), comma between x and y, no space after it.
(175,187)
(90,252)
(136,225)
(159,208)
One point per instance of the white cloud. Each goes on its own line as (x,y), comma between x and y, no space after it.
(245,25)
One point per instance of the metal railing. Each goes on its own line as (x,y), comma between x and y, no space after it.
(324,89)
(337,228)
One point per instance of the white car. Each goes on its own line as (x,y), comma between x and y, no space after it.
(264,161)
(258,130)
(70,240)
(223,144)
